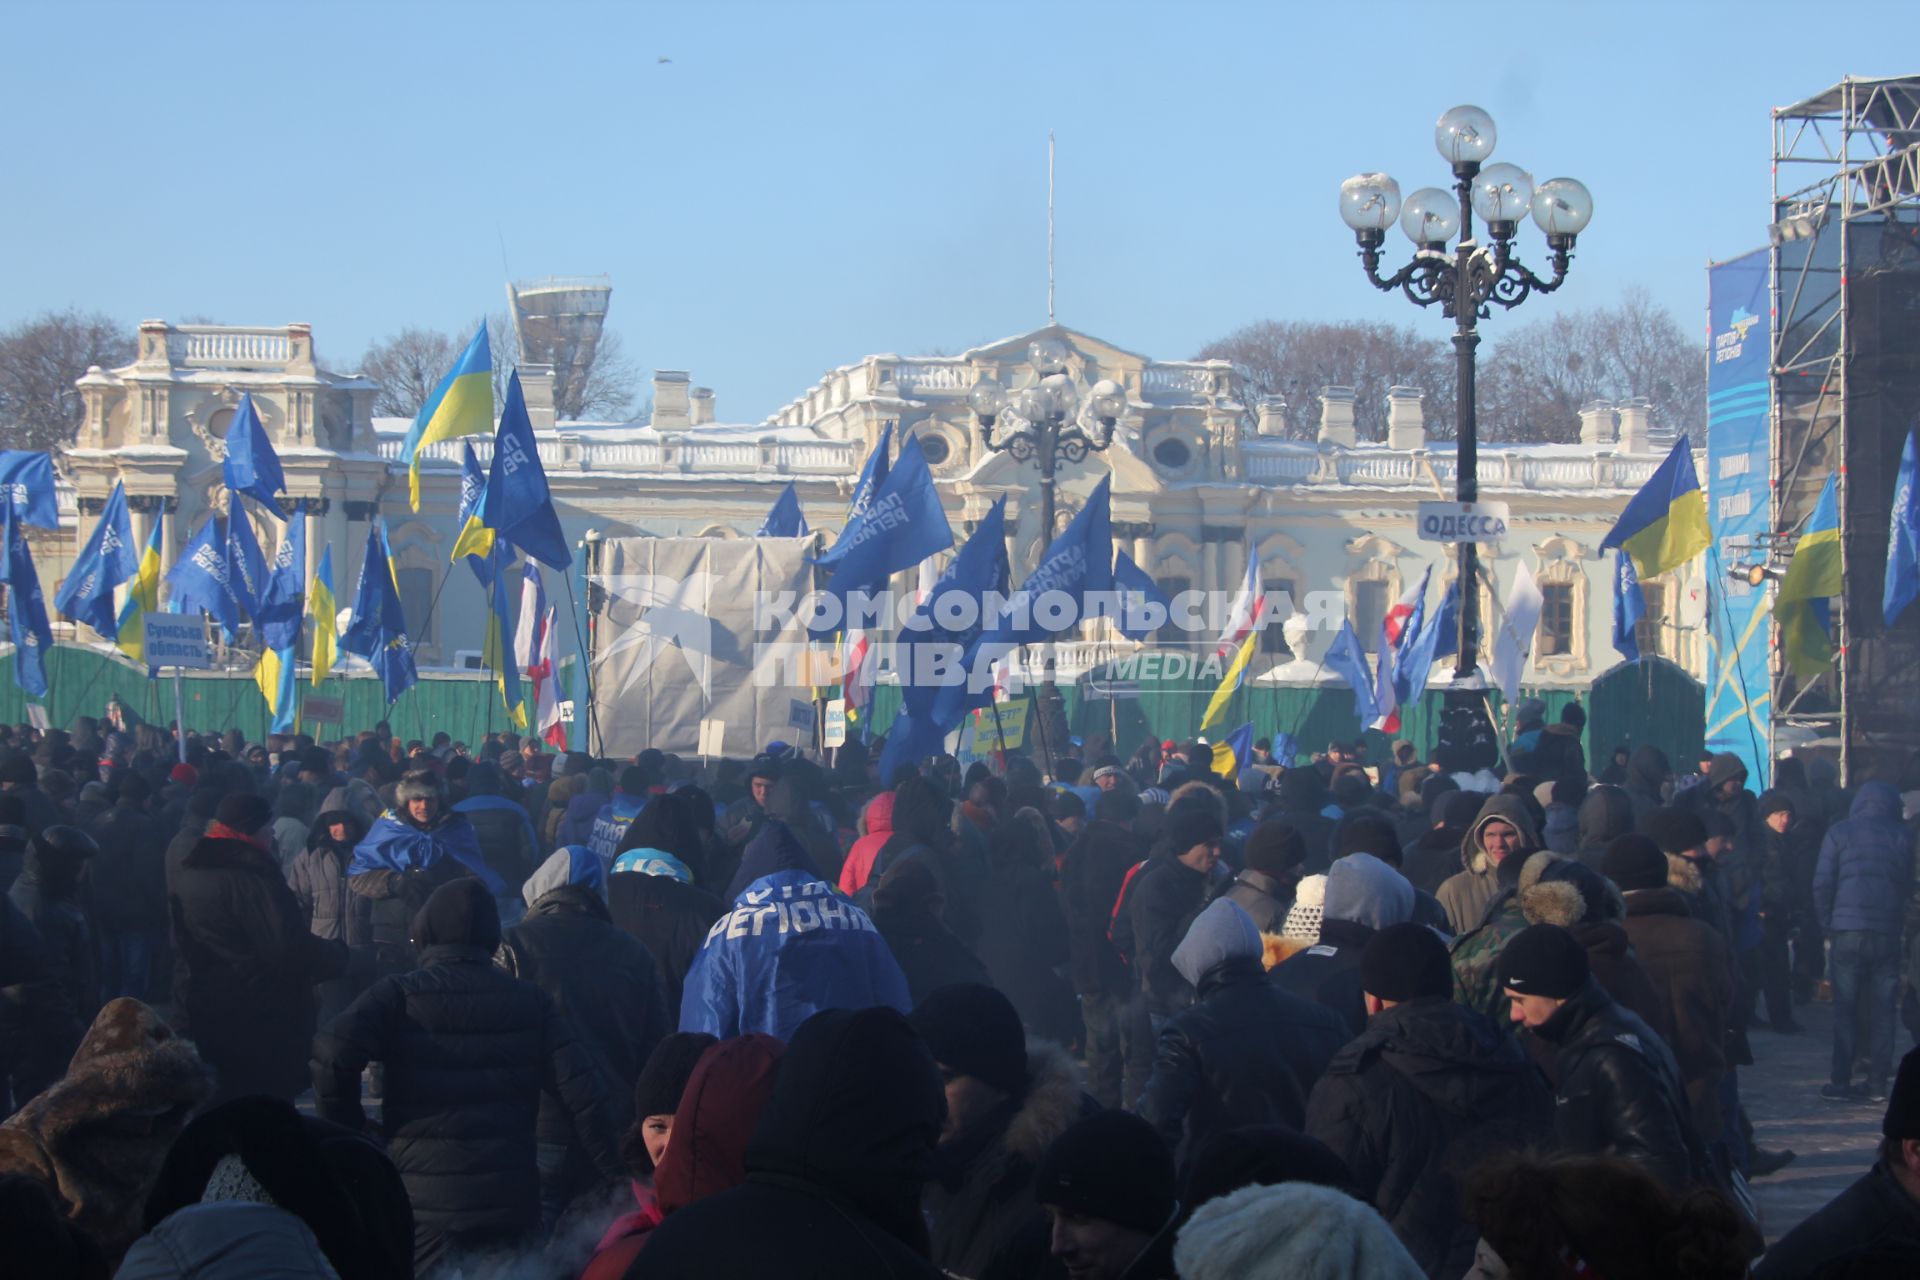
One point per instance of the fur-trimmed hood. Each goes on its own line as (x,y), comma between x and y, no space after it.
(1684,874)
(1055,1099)
(1558,890)
(97,1137)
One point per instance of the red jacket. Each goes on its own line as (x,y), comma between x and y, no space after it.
(859,864)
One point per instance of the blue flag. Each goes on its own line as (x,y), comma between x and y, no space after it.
(873,474)
(26,607)
(1447,626)
(1903,539)
(1629,606)
(473,492)
(377,614)
(903,525)
(785,519)
(26,476)
(109,559)
(283,603)
(1405,658)
(518,504)
(1142,596)
(251,466)
(246,562)
(1416,660)
(199,578)
(1346,659)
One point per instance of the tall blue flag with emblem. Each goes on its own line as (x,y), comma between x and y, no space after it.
(108,559)
(283,602)
(1903,539)
(1143,605)
(1346,659)
(873,474)
(199,578)
(903,525)
(517,505)
(378,631)
(473,492)
(1414,666)
(251,466)
(246,562)
(1629,606)
(26,608)
(26,483)
(784,519)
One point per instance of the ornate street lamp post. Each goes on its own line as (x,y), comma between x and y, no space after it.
(1467,278)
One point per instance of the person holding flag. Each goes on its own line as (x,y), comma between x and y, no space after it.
(461,405)
(278,623)
(104,563)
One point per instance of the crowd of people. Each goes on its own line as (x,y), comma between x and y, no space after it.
(376,1008)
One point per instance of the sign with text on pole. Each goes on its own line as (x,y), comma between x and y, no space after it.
(323,710)
(177,640)
(834,729)
(1462,521)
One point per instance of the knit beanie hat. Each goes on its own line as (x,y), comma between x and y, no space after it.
(1772,802)
(664,1078)
(1274,849)
(1220,933)
(1368,833)
(244,812)
(1294,1231)
(1303,917)
(1544,960)
(1903,1105)
(460,913)
(1405,962)
(1261,1155)
(18,768)
(1192,824)
(1634,862)
(1111,1165)
(1675,830)
(1364,890)
(974,1030)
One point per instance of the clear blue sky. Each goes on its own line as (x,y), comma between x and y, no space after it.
(806,183)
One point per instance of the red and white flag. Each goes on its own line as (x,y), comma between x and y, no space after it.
(856,683)
(1403,609)
(546,686)
(1244,617)
(533,651)
(1386,701)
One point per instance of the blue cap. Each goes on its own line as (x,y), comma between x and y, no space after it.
(653,862)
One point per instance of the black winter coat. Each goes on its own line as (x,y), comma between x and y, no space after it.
(1095,866)
(1162,900)
(245,967)
(604,983)
(1870,1229)
(1413,1103)
(926,951)
(1245,1053)
(127,881)
(670,919)
(1328,973)
(1023,944)
(468,1050)
(1617,1090)
(47,893)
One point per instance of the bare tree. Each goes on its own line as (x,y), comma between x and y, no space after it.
(1295,359)
(40,360)
(611,384)
(408,366)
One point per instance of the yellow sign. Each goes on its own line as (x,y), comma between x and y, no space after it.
(1001,728)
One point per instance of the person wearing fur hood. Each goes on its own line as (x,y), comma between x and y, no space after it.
(96,1138)
(1007,1101)
(1469,893)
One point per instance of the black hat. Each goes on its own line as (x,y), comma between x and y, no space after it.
(1111,1165)
(1191,824)
(1772,802)
(1262,1155)
(19,768)
(1675,830)
(460,913)
(973,1030)
(1634,862)
(1405,962)
(1274,848)
(244,811)
(1903,1106)
(1544,960)
(664,1078)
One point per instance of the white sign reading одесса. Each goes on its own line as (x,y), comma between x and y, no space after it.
(177,640)
(1463,521)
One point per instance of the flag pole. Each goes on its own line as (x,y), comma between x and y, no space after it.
(179,715)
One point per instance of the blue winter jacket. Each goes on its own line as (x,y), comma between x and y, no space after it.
(1865,871)
(610,825)
(792,946)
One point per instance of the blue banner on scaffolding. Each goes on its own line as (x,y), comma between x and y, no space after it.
(1739,504)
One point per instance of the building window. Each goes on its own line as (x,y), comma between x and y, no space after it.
(1172,454)
(1369,610)
(936,448)
(1652,626)
(416,598)
(1555,637)
(1273,640)
(1171,632)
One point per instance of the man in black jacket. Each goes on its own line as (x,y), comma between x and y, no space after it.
(1246,1053)
(607,988)
(468,1050)
(1873,1227)
(1425,1092)
(1095,866)
(1617,1091)
(48,895)
(1162,901)
(835,1168)
(1364,894)
(127,888)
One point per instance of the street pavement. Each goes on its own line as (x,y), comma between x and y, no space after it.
(1834,1142)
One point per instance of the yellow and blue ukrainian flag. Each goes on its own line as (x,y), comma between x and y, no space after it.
(143,596)
(496,651)
(1665,525)
(1800,606)
(324,610)
(462,405)
(1230,683)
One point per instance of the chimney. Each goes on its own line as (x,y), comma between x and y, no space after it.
(1273,417)
(1336,416)
(700,406)
(536,384)
(1406,420)
(1596,422)
(671,408)
(1633,425)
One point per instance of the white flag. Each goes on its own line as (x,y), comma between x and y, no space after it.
(1517,625)
(527,627)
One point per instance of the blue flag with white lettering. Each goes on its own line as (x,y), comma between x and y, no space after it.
(873,474)
(473,491)
(246,562)
(785,519)
(519,505)
(108,559)
(26,482)
(1346,659)
(26,608)
(1143,605)
(251,466)
(1629,606)
(283,603)
(1903,539)
(903,525)
(199,578)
